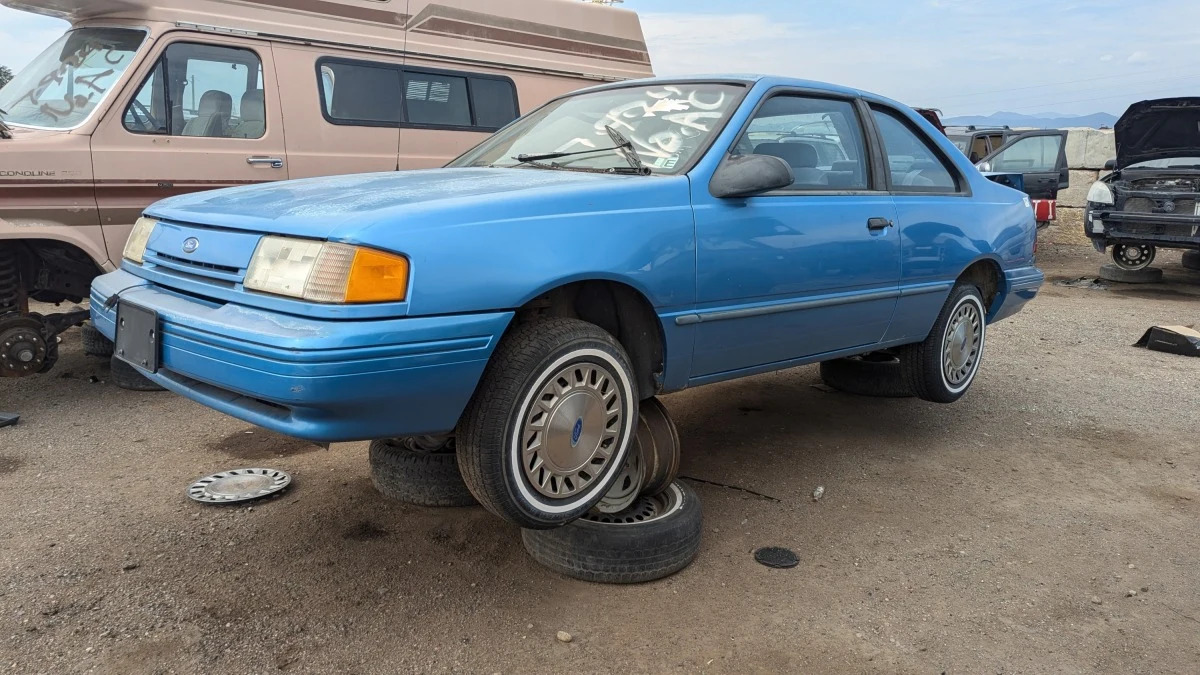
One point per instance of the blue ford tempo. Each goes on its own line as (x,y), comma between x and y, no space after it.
(617,243)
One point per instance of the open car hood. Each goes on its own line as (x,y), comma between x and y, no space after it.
(1158,129)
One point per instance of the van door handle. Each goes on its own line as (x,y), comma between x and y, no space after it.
(273,162)
(875,224)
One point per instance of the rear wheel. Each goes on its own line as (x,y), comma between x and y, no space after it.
(1133,257)
(1191,260)
(942,368)
(550,425)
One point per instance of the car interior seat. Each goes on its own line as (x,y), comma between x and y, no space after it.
(212,119)
(802,157)
(254,116)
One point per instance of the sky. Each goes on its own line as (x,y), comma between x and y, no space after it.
(962,56)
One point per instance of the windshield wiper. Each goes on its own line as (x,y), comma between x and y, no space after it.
(623,147)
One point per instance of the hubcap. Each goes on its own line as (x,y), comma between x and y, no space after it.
(571,430)
(960,350)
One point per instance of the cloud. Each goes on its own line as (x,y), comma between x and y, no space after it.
(1106,58)
(1138,57)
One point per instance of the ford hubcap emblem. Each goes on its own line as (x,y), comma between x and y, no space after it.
(190,245)
(576,432)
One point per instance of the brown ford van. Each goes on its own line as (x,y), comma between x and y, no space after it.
(143,100)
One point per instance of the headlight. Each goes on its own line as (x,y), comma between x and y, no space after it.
(326,272)
(135,246)
(1101,193)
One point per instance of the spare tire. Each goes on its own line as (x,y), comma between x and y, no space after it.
(416,472)
(1147,275)
(656,537)
(876,374)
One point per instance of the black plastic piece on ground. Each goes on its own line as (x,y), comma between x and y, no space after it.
(774,556)
(8,419)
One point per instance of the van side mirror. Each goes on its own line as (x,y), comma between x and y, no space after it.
(748,175)
(1110,165)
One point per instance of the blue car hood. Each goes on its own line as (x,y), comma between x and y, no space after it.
(342,208)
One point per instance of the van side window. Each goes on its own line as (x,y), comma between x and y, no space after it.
(362,93)
(201,90)
(914,164)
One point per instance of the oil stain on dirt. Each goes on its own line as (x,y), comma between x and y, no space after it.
(256,443)
(9,464)
(365,530)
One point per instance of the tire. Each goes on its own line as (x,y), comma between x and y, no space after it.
(655,538)
(128,377)
(520,454)
(94,342)
(10,280)
(1191,260)
(925,365)
(407,472)
(1149,275)
(1132,257)
(877,374)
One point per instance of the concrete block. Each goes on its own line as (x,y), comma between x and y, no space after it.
(1076,195)
(1090,148)
(1067,230)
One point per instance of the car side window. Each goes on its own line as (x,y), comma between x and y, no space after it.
(203,91)
(1033,154)
(820,138)
(914,165)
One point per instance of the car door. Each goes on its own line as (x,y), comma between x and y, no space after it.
(1039,156)
(202,114)
(801,271)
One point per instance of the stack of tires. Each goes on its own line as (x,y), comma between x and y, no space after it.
(557,441)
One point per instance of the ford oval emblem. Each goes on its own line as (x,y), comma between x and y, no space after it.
(190,245)
(576,432)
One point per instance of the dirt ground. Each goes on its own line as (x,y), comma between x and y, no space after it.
(1047,522)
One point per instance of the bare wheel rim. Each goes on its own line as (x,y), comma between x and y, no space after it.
(962,343)
(1133,256)
(645,509)
(628,486)
(571,429)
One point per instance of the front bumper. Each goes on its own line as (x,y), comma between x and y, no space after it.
(1119,227)
(1022,285)
(320,380)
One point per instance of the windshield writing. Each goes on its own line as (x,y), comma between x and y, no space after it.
(67,81)
(666,124)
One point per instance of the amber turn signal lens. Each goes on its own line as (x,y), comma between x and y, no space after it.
(377,277)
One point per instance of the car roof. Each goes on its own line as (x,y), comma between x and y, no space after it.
(748,80)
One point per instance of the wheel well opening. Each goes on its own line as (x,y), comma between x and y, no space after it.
(46,270)
(988,277)
(620,310)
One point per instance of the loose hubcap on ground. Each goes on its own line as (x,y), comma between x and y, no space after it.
(571,431)
(964,334)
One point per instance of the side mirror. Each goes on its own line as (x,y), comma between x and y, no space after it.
(748,175)
(1110,165)
(984,166)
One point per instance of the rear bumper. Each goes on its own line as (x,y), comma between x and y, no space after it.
(319,380)
(1021,285)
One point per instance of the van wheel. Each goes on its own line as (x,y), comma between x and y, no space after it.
(1133,257)
(94,342)
(1147,275)
(549,427)
(876,374)
(128,377)
(1191,260)
(422,471)
(941,368)
(655,537)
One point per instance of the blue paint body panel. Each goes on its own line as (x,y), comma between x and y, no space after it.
(739,286)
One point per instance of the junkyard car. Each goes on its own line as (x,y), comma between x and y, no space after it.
(620,242)
(1150,198)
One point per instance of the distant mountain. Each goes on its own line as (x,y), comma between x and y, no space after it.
(1038,121)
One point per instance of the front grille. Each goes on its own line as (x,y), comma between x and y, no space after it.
(1182,207)
(184,262)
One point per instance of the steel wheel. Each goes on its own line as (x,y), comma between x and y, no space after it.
(657,442)
(628,486)
(1133,256)
(962,344)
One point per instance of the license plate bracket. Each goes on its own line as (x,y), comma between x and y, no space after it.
(137,340)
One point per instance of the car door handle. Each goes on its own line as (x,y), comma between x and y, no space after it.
(875,224)
(273,162)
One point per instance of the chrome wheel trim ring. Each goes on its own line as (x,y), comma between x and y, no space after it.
(645,509)
(962,344)
(602,475)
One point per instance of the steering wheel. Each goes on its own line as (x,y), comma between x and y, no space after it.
(142,115)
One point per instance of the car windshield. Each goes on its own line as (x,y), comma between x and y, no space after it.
(67,81)
(668,125)
(1169,163)
(961,142)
